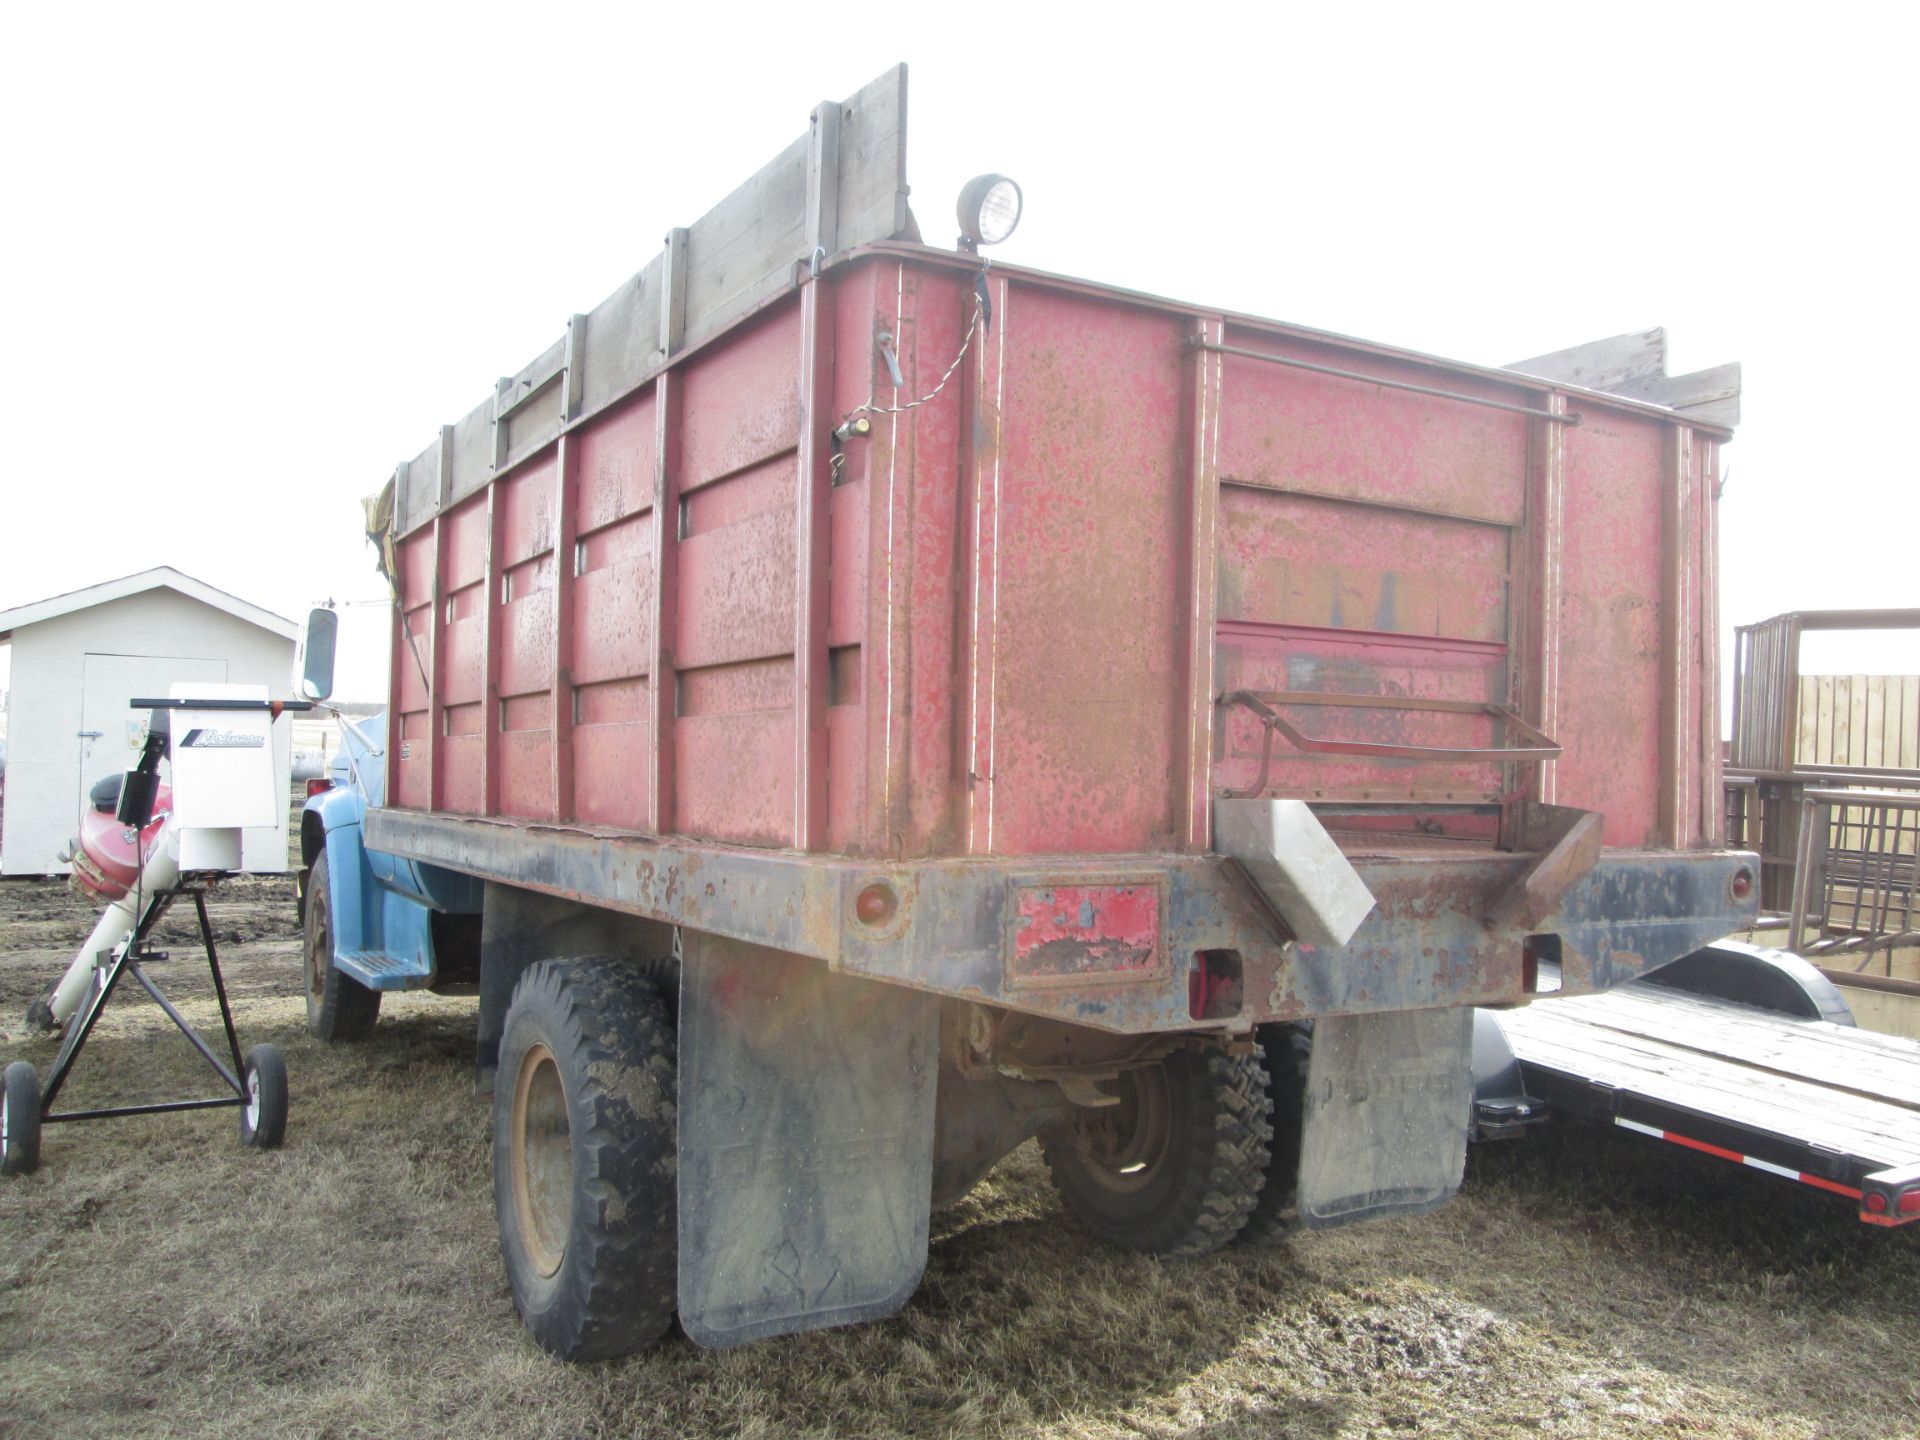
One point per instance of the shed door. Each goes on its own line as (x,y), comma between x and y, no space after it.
(110,732)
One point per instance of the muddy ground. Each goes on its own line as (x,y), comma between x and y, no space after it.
(157,1279)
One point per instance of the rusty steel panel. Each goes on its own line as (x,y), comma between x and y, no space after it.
(611,729)
(742,400)
(736,597)
(525,758)
(1300,431)
(410,766)
(612,603)
(463,542)
(463,641)
(1080,934)
(1611,627)
(733,776)
(1079,562)
(526,630)
(525,505)
(847,794)
(616,465)
(1294,560)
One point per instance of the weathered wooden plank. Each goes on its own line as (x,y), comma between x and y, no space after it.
(1712,396)
(742,251)
(1847,1059)
(1910,722)
(416,489)
(1874,746)
(873,162)
(1603,364)
(623,339)
(673,296)
(528,405)
(472,452)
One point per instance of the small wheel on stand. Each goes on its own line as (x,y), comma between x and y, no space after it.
(263,1119)
(20,1120)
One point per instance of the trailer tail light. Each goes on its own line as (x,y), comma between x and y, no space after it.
(1891,1197)
(1742,885)
(318,787)
(1214,985)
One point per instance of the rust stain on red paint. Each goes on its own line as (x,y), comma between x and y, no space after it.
(1062,932)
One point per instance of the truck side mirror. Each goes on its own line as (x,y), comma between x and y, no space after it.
(323,629)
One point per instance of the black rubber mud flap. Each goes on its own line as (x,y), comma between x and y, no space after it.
(806,1143)
(1389,1103)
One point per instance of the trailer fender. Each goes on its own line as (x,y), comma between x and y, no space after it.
(806,1104)
(1754,975)
(1502,1108)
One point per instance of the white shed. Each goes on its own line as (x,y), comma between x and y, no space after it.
(79,658)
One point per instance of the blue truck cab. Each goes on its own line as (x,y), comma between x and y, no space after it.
(373,919)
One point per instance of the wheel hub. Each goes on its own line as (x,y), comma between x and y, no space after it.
(1126,1143)
(542,1160)
(319,947)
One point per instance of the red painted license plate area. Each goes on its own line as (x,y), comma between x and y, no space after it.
(1068,934)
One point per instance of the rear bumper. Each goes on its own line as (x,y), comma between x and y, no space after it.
(963,928)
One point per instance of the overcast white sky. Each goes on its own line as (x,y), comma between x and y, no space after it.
(257,254)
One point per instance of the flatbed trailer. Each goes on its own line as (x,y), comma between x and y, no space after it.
(1806,1096)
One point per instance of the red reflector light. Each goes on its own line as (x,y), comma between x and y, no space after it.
(1742,883)
(876,905)
(1909,1203)
(1876,1202)
(318,787)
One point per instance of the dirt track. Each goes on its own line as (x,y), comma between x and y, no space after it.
(157,1279)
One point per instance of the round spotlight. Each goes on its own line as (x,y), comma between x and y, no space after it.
(989,209)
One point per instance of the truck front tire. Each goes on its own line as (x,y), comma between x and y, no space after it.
(584,1157)
(1177,1167)
(339,1008)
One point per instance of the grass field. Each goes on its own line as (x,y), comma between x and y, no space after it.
(157,1279)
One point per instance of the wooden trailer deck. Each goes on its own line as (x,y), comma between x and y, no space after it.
(1825,1104)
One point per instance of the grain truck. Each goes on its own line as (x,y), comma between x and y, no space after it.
(858,706)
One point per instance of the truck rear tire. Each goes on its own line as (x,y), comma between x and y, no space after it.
(1275,1215)
(584,1157)
(339,1008)
(1177,1166)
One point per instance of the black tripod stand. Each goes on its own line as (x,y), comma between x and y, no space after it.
(258,1082)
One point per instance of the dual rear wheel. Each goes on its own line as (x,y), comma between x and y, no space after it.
(585,1154)
(1182,1164)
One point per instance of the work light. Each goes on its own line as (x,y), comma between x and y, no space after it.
(989,210)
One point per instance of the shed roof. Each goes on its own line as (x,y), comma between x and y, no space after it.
(160,577)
